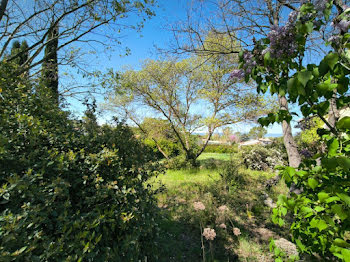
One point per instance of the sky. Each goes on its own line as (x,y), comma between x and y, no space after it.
(142,46)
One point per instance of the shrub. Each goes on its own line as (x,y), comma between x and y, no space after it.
(171,148)
(221,148)
(261,158)
(178,162)
(69,192)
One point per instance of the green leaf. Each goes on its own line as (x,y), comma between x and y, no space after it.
(344,162)
(332,199)
(267,58)
(345,198)
(333,147)
(346,254)
(322,196)
(319,209)
(340,243)
(344,123)
(323,68)
(306,210)
(338,209)
(312,182)
(304,77)
(309,27)
(331,59)
(292,86)
(318,223)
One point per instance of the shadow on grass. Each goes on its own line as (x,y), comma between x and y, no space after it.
(180,235)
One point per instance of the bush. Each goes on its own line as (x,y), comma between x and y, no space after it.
(171,148)
(179,162)
(221,148)
(262,158)
(69,192)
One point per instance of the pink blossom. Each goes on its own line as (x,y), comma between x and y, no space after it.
(223,208)
(209,233)
(223,226)
(236,231)
(198,205)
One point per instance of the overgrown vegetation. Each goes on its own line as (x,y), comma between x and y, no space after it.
(70,190)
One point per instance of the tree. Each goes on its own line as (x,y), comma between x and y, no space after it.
(158,133)
(19,47)
(36,21)
(321,208)
(257,132)
(188,96)
(49,72)
(244,22)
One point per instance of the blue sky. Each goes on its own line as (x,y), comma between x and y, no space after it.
(141,45)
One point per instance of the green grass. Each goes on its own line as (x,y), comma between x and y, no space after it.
(175,179)
(179,238)
(217,156)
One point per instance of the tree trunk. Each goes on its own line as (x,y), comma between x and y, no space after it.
(3,6)
(291,147)
(333,115)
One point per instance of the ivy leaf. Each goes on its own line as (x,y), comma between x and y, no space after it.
(304,77)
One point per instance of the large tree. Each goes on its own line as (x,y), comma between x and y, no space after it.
(244,22)
(85,26)
(193,94)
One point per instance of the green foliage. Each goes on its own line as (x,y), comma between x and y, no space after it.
(179,162)
(69,192)
(221,149)
(257,132)
(308,140)
(321,209)
(157,133)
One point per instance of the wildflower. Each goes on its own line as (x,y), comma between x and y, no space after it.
(236,231)
(209,233)
(282,41)
(223,208)
(343,25)
(237,74)
(222,225)
(198,206)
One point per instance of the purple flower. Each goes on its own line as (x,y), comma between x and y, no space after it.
(306,153)
(343,25)
(320,5)
(282,41)
(237,74)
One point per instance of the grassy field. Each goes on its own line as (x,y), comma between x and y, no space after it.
(237,189)
(218,156)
